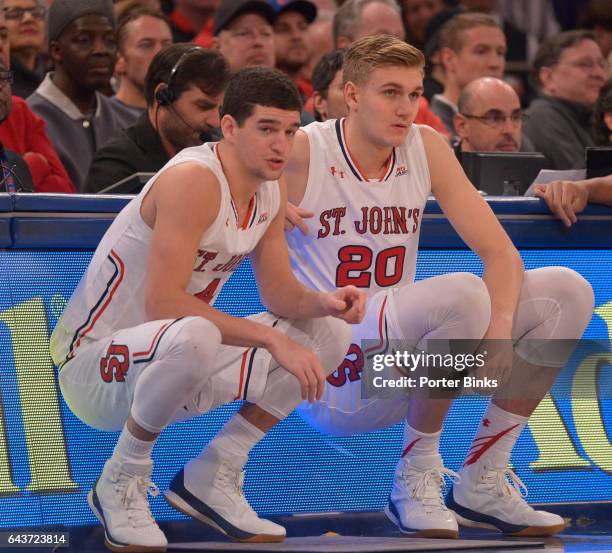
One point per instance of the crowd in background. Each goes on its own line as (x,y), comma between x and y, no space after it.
(93,92)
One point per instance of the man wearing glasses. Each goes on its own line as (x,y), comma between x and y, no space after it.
(25,22)
(570,71)
(489,119)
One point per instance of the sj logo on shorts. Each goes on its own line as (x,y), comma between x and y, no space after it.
(115,364)
(350,369)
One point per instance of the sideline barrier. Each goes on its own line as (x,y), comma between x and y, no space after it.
(49,459)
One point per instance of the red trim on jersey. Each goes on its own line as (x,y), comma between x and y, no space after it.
(242,366)
(388,166)
(481,448)
(380,327)
(247,220)
(153,343)
(409,447)
(115,256)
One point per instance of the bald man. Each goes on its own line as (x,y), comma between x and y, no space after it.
(489,117)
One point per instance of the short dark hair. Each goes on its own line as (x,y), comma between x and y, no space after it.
(259,86)
(549,52)
(204,68)
(602,106)
(326,69)
(133,14)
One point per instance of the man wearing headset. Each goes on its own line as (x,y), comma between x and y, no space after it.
(183,89)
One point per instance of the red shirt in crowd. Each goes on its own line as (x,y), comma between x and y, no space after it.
(205,37)
(24,133)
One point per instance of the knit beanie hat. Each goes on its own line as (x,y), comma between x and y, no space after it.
(63,12)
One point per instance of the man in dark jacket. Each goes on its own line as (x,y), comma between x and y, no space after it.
(183,90)
(569,68)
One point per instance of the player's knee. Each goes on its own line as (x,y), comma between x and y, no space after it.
(334,341)
(570,290)
(195,347)
(471,301)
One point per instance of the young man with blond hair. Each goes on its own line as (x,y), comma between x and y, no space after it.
(366,179)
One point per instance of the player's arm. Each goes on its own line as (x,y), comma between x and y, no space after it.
(296,177)
(474,221)
(286,296)
(186,200)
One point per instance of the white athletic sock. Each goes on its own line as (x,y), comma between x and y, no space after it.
(237,437)
(418,443)
(129,447)
(496,435)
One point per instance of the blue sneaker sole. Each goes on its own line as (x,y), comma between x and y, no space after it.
(443,533)
(118,547)
(474,519)
(184,501)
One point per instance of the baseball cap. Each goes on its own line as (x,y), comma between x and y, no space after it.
(229,10)
(307,8)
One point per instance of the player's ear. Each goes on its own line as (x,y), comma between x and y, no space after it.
(350,95)
(229,126)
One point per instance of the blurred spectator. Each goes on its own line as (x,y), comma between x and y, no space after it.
(569,69)
(78,118)
(490,118)
(14,173)
(520,46)
(192,20)
(328,89)
(536,18)
(598,18)
(320,38)
(603,116)
(24,133)
(141,33)
(356,19)
(25,20)
(472,45)
(243,33)
(183,90)
(416,15)
(291,41)
(124,6)
(434,70)
(566,198)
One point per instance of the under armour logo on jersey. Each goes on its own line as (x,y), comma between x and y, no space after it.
(335,172)
(262,218)
(486,422)
(400,171)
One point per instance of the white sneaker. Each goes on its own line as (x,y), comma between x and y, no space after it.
(416,504)
(219,501)
(490,496)
(119,501)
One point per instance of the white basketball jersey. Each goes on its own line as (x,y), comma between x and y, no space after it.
(110,295)
(364,232)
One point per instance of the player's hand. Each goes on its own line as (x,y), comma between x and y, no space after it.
(294,217)
(347,303)
(302,363)
(564,199)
